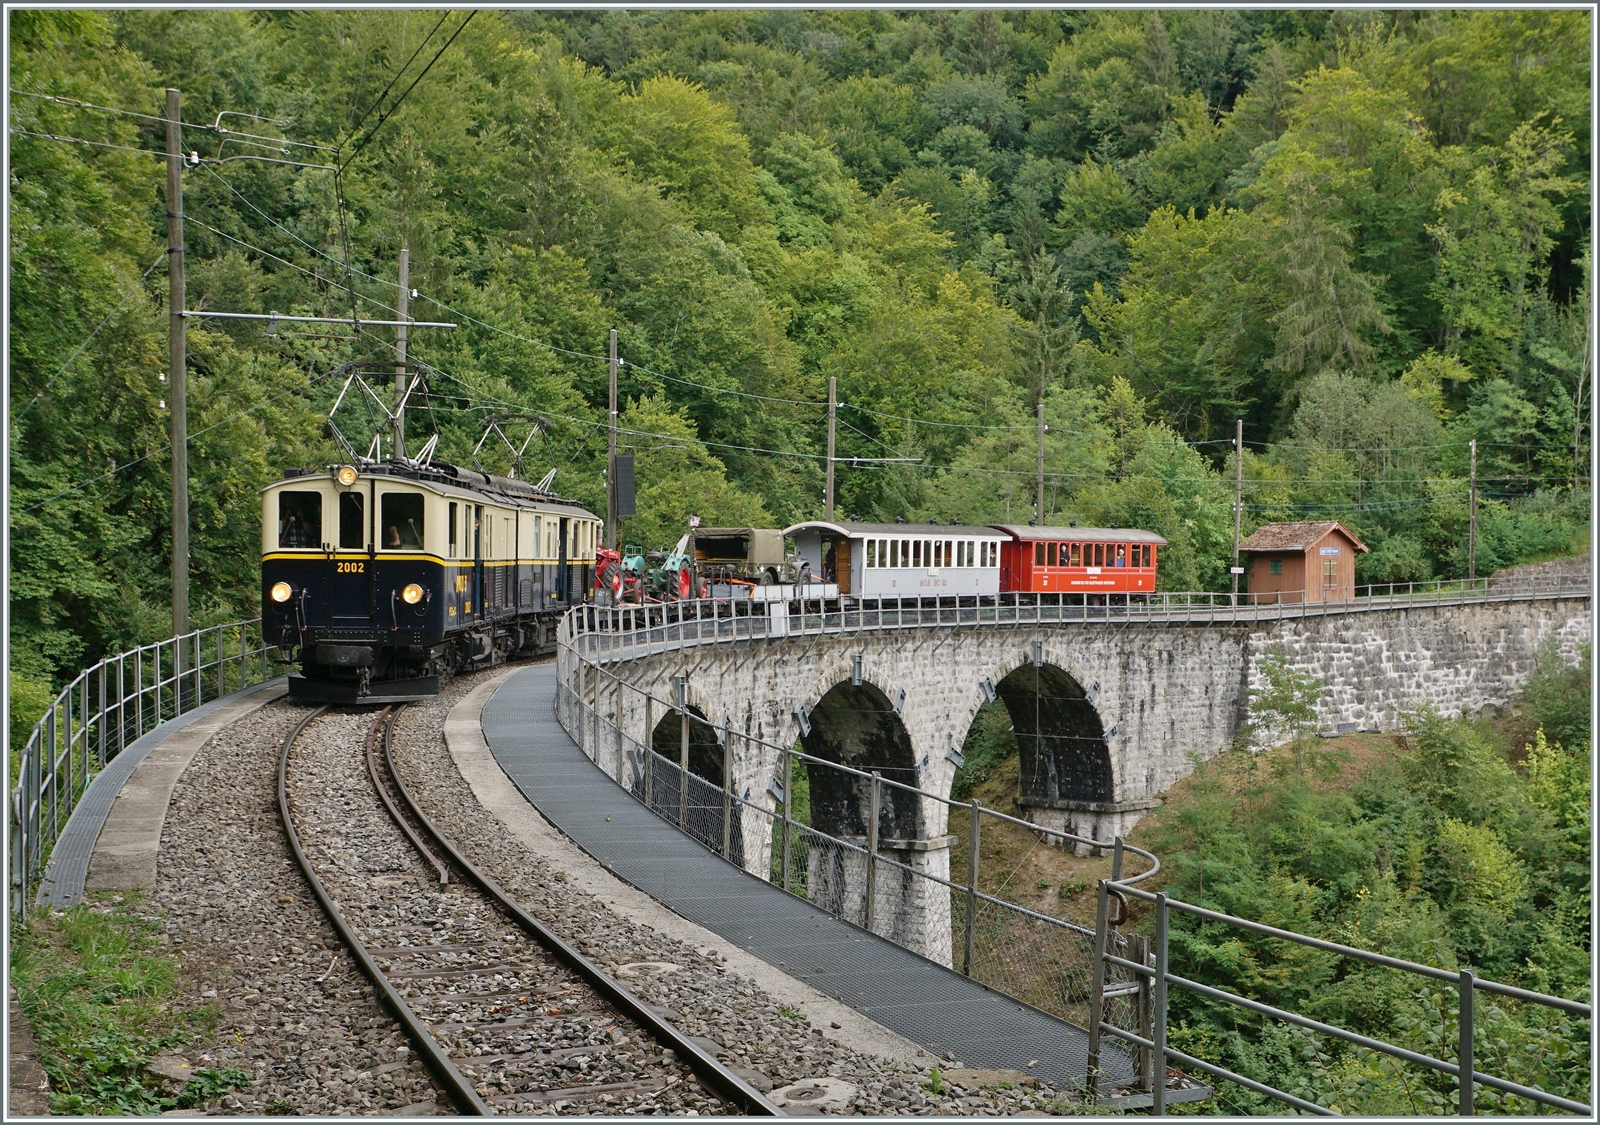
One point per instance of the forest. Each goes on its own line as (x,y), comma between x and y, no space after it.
(1364,233)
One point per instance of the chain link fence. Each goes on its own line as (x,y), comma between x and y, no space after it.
(901,890)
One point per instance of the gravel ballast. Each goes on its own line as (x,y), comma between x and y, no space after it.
(249,936)
(699,994)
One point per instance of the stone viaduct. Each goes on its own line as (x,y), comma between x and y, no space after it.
(1108,713)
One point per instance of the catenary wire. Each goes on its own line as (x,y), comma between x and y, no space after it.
(379,99)
(126,297)
(401,99)
(310,382)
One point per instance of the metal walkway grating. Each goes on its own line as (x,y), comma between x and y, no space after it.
(925,1002)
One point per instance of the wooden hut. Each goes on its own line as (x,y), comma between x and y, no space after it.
(1313,561)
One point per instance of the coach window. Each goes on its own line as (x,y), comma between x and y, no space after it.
(299,519)
(1038,554)
(352,520)
(452,529)
(1050,554)
(402,521)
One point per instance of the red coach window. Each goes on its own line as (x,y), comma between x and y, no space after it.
(1077,554)
(1038,554)
(1145,556)
(1051,556)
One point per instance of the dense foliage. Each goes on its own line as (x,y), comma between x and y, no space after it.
(1365,233)
(1457,852)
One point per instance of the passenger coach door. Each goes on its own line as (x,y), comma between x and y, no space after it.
(563,580)
(476,603)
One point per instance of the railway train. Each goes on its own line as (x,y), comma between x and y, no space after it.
(899,560)
(383,579)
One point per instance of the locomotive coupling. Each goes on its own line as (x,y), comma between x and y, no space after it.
(345,656)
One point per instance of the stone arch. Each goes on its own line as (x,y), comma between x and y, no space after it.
(856,725)
(705,752)
(1061,741)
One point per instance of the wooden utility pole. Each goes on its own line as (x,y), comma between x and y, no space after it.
(833,403)
(1039,500)
(1472,514)
(401,381)
(1238,500)
(611,452)
(178,362)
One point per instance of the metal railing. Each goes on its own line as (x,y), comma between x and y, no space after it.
(104,709)
(628,631)
(914,900)
(1154,971)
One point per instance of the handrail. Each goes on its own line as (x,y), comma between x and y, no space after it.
(1160,976)
(103,709)
(613,632)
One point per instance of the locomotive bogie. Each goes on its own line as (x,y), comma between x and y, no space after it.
(385,586)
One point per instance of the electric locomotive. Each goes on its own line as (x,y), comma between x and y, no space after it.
(384,579)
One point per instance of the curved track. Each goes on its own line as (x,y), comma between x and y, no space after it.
(483,988)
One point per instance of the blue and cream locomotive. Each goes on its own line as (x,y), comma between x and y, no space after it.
(386,578)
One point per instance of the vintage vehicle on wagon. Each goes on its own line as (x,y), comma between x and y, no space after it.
(383,579)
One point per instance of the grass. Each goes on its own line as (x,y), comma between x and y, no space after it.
(103,1002)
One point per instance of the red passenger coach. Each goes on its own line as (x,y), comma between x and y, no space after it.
(1078,560)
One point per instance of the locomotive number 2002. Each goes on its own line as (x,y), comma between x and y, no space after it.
(351,568)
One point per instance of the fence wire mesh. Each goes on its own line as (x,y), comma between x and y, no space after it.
(1044,961)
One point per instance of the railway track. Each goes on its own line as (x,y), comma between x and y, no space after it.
(506,1015)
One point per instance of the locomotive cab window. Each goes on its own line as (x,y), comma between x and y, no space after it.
(299,519)
(402,521)
(352,520)
(452,522)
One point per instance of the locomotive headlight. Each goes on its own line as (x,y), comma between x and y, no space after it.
(282,591)
(345,475)
(412,594)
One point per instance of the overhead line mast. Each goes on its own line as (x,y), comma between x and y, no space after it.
(178,360)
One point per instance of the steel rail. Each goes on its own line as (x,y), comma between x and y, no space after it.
(727,1085)
(434,1057)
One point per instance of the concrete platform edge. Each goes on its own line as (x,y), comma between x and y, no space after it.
(82,858)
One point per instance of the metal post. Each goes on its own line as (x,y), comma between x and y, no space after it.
(398,441)
(683,760)
(788,811)
(1141,954)
(649,747)
(178,362)
(594,709)
(1097,987)
(974,840)
(122,701)
(1039,502)
(727,788)
(872,847)
(621,755)
(1116,859)
(833,396)
(101,754)
(1158,1032)
(611,453)
(1472,515)
(55,777)
(1464,1055)
(1238,502)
